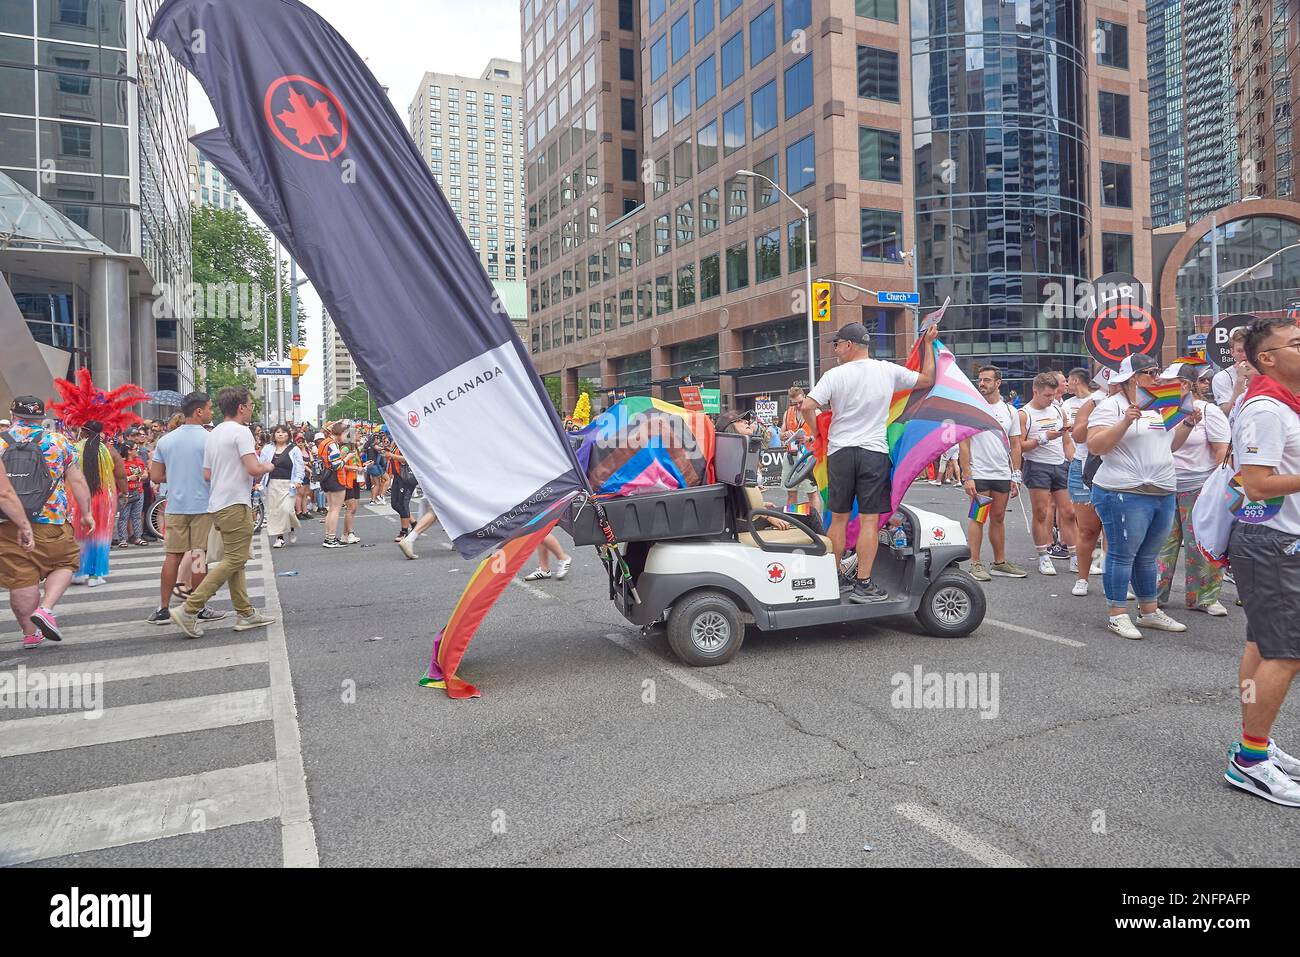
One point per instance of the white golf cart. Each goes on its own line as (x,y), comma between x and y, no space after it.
(699,560)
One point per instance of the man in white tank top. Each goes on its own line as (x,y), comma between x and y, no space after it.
(1047,448)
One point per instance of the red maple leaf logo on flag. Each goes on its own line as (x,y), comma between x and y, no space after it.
(308,121)
(1127,331)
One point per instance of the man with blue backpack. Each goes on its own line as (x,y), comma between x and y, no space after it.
(41,466)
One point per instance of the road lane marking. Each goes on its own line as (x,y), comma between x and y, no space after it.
(94,634)
(62,824)
(57,732)
(139,580)
(152,666)
(297,832)
(531,589)
(76,609)
(1007,626)
(963,840)
(627,642)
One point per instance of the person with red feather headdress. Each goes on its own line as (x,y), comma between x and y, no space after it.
(95,416)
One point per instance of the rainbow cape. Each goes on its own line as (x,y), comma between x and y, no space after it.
(922,425)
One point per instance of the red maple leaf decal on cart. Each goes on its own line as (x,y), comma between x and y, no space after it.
(307,120)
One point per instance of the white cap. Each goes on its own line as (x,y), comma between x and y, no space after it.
(319,436)
(1127,370)
(1102,379)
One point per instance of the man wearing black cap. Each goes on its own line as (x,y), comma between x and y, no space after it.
(858,392)
(53,555)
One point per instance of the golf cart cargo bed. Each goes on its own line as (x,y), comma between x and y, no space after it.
(654,516)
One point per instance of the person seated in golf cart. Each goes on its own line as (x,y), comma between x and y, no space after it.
(742,423)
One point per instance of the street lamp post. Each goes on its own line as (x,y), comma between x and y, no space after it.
(807,268)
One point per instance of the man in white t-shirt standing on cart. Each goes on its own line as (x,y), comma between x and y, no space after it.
(987,469)
(1265,554)
(859,391)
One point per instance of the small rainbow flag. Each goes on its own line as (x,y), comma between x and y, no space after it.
(979,509)
(1167,399)
(800,508)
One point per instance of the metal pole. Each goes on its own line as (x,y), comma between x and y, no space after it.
(807,268)
(1214,266)
(293,327)
(916,288)
(266,356)
(279,338)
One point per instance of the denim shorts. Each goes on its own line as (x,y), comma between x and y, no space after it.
(1080,494)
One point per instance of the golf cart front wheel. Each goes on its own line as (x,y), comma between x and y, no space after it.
(705,628)
(953,605)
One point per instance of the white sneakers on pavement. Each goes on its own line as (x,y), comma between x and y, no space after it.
(562,572)
(1265,779)
(1159,621)
(1122,625)
(1080,588)
(1045,566)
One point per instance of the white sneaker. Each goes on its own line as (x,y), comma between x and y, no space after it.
(562,572)
(1160,621)
(293,538)
(407,545)
(1214,610)
(1080,588)
(1122,625)
(1096,567)
(1045,566)
(1265,779)
(1074,564)
(279,543)
(1290,765)
(537,575)
(94,582)
(352,539)
(80,579)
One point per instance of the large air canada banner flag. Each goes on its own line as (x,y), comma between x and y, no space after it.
(308,137)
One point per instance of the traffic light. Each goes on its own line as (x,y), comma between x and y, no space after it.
(821,292)
(297,367)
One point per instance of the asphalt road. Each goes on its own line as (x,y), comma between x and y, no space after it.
(592,745)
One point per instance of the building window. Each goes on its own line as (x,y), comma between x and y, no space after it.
(733,129)
(1116,253)
(1111,44)
(737,267)
(762,36)
(799,87)
(764,111)
(795,15)
(795,243)
(682,99)
(708,211)
(686,284)
(706,81)
(681,36)
(765,194)
(878,9)
(626,64)
(663,235)
(726,8)
(707,140)
(659,117)
(767,256)
(737,198)
(629,166)
(703,19)
(685,221)
(658,58)
(879,153)
(628,108)
(657,8)
(733,59)
(1117,185)
(882,235)
(682,162)
(878,74)
(800,165)
(710,279)
(663,294)
(1113,108)
(626,19)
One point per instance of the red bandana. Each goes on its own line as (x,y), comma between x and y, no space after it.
(1262,385)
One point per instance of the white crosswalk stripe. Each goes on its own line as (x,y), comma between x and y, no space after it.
(136,812)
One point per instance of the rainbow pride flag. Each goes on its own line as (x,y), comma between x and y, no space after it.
(1168,400)
(921,426)
(490,579)
(979,509)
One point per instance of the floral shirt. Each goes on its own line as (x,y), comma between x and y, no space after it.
(60,455)
(136,473)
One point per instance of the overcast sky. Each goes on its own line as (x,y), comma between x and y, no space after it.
(401,40)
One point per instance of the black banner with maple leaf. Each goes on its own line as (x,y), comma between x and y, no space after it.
(310,139)
(1122,321)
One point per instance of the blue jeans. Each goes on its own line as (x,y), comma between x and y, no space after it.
(1136,527)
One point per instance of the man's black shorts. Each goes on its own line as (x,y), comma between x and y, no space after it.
(1268,581)
(1001,486)
(861,474)
(330,482)
(1052,478)
(353,492)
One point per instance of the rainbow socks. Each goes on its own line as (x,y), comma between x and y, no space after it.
(1252,750)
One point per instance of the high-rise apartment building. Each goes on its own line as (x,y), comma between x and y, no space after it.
(1005,142)
(208,185)
(1192,105)
(1265,70)
(470,132)
(93,118)
(338,368)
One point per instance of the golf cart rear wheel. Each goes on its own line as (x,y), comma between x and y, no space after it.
(705,628)
(953,605)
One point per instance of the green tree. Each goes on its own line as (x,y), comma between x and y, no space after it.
(233,266)
(219,377)
(357,404)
